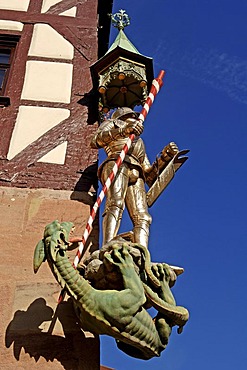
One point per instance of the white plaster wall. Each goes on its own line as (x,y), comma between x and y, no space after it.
(56,155)
(11,25)
(70,12)
(47,4)
(48,81)
(14,4)
(31,123)
(56,47)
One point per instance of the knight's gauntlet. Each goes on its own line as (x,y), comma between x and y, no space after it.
(169,152)
(161,162)
(133,126)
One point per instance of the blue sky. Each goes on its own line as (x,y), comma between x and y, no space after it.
(200,220)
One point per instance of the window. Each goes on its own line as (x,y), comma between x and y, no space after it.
(8,45)
(5,54)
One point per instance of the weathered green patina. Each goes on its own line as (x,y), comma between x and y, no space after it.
(116,304)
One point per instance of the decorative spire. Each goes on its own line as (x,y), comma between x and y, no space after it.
(120,20)
(122,76)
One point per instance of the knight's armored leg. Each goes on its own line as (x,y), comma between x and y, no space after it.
(111,221)
(114,202)
(137,207)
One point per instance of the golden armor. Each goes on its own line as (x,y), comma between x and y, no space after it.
(128,187)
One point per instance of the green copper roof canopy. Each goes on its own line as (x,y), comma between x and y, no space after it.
(123,42)
(122,76)
(121,20)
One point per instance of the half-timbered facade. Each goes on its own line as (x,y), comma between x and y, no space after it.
(47,47)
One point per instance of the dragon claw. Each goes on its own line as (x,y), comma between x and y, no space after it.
(119,256)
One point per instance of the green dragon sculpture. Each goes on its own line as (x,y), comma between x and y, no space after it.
(114,288)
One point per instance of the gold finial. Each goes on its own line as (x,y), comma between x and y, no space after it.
(120,20)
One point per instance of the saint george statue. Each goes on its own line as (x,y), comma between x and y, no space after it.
(128,187)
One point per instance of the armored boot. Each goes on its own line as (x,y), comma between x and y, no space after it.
(141,229)
(111,223)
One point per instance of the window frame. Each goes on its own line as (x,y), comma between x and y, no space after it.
(8,42)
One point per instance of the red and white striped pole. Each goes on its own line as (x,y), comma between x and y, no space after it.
(156,85)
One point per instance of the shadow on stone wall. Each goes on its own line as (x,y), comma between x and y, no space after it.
(86,187)
(24,332)
(83,193)
(91,101)
(88,179)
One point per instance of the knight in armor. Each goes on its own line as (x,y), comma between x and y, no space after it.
(128,187)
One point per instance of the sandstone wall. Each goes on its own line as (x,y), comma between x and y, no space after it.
(34,331)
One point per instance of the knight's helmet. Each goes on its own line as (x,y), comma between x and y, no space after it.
(124,111)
